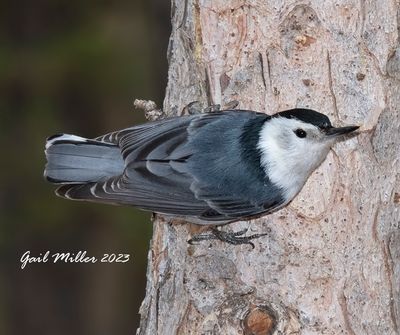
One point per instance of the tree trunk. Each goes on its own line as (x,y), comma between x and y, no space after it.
(331,261)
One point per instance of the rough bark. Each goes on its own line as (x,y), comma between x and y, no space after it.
(331,262)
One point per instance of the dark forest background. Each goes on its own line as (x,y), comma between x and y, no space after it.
(73,67)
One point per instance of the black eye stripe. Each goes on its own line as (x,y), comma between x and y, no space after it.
(300,133)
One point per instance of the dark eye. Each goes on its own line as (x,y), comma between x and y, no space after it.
(300,133)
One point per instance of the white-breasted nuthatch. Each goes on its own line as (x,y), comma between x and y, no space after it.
(209,169)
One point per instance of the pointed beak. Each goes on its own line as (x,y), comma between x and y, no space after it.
(340,130)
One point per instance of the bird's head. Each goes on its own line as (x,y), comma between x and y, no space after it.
(294,142)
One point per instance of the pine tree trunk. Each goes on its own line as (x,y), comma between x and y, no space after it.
(331,261)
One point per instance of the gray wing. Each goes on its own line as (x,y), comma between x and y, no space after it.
(152,179)
(171,167)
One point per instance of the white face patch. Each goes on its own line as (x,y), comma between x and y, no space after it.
(288,156)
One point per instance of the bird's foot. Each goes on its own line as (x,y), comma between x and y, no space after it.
(212,108)
(234,238)
(193,108)
(196,107)
(233,104)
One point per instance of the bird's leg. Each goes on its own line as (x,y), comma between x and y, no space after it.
(234,238)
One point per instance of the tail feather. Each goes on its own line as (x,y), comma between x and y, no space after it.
(76,191)
(75,160)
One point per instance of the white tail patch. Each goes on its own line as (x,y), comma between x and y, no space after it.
(64,137)
(75,160)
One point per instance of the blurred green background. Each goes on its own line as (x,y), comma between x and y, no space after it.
(73,67)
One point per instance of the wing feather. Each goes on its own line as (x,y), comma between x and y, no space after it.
(161,170)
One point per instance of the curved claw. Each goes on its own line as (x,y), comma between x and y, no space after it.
(192,108)
(231,104)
